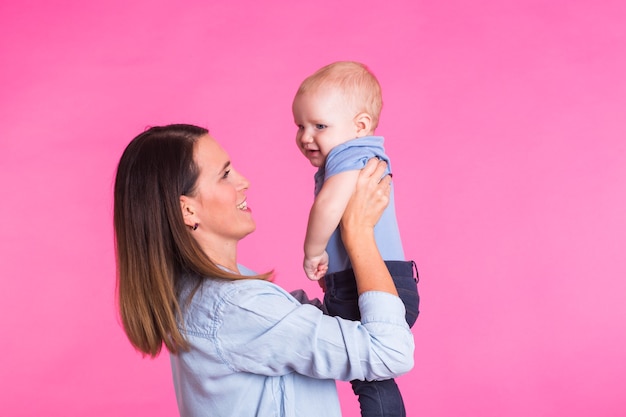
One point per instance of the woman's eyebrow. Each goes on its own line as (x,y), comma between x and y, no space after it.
(226,165)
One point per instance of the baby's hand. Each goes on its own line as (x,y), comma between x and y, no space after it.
(316,267)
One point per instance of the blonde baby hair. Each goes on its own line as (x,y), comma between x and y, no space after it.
(357,83)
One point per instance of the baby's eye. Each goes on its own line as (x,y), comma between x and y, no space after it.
(320,126)
(300,127)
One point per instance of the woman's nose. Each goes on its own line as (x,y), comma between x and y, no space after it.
(244,184)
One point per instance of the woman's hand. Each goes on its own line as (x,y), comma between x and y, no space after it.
(364,209)
(369,200)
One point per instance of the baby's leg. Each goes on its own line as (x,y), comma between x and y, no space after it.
(341,297)
(405,277)
(379,398)
(376,398)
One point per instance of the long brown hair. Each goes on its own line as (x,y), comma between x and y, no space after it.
(154,247)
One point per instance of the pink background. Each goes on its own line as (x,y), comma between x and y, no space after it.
(505,121)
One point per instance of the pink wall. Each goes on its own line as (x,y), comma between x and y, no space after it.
(506,123)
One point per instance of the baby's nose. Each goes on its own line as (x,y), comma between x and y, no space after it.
(306,137)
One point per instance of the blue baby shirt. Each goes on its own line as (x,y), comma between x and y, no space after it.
(349,156)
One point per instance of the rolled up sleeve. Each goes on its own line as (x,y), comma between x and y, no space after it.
(262,329)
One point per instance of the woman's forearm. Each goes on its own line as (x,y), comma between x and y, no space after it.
(368,265)
(364,209)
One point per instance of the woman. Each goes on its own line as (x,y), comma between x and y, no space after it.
(239,344)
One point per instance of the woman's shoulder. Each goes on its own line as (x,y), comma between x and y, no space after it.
(241,291)
(217,301)
(214,292)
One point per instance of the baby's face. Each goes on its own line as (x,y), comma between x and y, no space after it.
(324,120)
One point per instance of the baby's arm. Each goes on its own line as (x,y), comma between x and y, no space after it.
(324,218)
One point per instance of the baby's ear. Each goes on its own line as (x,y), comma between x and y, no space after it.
(363,123)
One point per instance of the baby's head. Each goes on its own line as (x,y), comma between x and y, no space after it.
(339,102)
(353,81)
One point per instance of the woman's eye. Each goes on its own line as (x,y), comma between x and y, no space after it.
(226,174)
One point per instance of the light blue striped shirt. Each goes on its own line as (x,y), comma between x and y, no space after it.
(257,350)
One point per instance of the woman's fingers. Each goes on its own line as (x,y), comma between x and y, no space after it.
(370,196)
(373,169)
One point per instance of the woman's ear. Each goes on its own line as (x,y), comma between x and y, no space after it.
(363,122)
(188,211)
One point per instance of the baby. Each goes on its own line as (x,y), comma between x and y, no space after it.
(337,111)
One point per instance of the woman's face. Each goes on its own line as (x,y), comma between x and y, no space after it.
(219,201)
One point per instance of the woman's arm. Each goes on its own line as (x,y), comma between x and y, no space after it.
(257,317)
(261,329)
(370,198)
